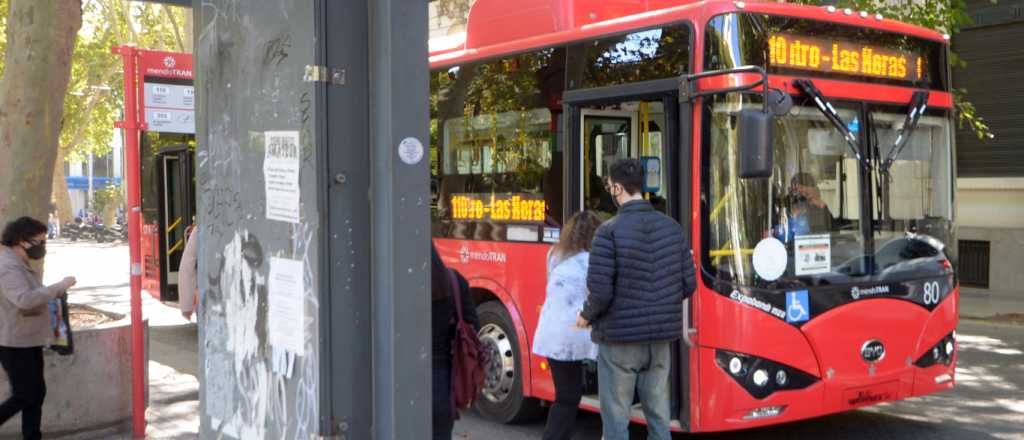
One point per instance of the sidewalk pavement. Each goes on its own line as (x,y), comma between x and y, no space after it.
(992,305)
(102,271)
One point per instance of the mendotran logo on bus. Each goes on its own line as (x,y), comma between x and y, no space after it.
(466,255)
(857,292)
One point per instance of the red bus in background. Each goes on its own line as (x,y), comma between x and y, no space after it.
(166,105)
(808,152)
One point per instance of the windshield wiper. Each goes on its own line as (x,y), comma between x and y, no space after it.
(918,104)
(832,115)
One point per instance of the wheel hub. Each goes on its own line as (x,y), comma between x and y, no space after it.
(499,367)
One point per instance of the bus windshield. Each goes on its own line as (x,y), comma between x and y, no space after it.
(833,211)
(813,202)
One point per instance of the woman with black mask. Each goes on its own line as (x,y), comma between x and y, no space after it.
(442,310)
(25,326)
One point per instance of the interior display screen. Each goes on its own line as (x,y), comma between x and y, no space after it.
(838,56)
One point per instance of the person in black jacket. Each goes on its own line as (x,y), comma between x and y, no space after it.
(442,309)
(641,269)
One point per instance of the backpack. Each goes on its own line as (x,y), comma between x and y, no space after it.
(467,356)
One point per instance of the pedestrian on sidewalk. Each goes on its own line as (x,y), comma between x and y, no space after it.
(641,269)
(188,287)
(25,326)
(442,310)
(556,338)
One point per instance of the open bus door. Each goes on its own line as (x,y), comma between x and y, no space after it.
(177,208)
(641,121)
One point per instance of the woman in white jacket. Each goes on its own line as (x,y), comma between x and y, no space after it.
(557,337)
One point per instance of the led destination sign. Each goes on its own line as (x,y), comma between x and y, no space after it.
(843,57)
(498,207)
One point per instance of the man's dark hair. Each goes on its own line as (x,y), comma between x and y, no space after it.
(629,173)
(22,230)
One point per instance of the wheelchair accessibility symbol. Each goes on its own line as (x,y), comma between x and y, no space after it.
(798,308)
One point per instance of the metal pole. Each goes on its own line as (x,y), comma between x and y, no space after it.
(132,178)
(400,229)
(90,193)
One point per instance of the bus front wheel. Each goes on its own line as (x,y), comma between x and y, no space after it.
(502,396)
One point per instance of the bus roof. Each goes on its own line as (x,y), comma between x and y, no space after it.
(500,27)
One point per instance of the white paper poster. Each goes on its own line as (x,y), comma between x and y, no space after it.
(281,175)
(286,313)
(813,254)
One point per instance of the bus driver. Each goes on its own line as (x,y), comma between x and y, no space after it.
(806,212)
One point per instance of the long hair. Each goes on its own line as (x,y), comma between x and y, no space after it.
(577,235)
(440,284)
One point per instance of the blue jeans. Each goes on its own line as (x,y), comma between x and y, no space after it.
(624,370)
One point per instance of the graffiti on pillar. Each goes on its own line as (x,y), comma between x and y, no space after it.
(252,56)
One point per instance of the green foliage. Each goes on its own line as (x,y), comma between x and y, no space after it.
(95,93)
(456,10)
(947,16)
(3,33)
(109,197)
(95,96)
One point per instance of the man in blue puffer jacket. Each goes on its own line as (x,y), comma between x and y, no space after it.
(641,270)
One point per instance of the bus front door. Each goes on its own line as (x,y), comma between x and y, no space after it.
(177,213)
(605,125)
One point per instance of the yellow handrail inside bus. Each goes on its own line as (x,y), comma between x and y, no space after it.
(176,246)
(174,225)
(645,134)
(721,204)
(731,252)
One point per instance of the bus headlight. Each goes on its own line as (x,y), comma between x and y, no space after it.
(781,378)
(940,353)
(735,366)
(754,374)
(760,378)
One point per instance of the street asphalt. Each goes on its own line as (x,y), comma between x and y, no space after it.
(988,402)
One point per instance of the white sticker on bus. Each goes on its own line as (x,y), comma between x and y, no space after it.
(770,259)
(812,254)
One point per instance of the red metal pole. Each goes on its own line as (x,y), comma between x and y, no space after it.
(132,179)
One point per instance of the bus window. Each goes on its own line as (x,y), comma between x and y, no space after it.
(496,148)
(625,130)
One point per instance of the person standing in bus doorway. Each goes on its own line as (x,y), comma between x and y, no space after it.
(565,347)
(188,286)
(641,269)
(25,326)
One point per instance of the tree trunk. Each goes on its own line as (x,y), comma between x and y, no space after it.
(61,196)
(40,40)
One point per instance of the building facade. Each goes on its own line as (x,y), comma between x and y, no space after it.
(990,200)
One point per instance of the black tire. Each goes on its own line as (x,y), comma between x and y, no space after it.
(502,398)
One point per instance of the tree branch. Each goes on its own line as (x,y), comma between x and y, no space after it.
(175,27)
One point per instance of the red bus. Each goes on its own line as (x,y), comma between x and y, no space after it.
(746,115)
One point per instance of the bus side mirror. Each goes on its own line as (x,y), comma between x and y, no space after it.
(755,142)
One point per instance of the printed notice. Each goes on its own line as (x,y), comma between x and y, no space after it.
(286,314)
(281,175)
(169,108)
(813,254)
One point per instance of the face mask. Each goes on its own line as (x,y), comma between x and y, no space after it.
(615,199)
(36,252)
